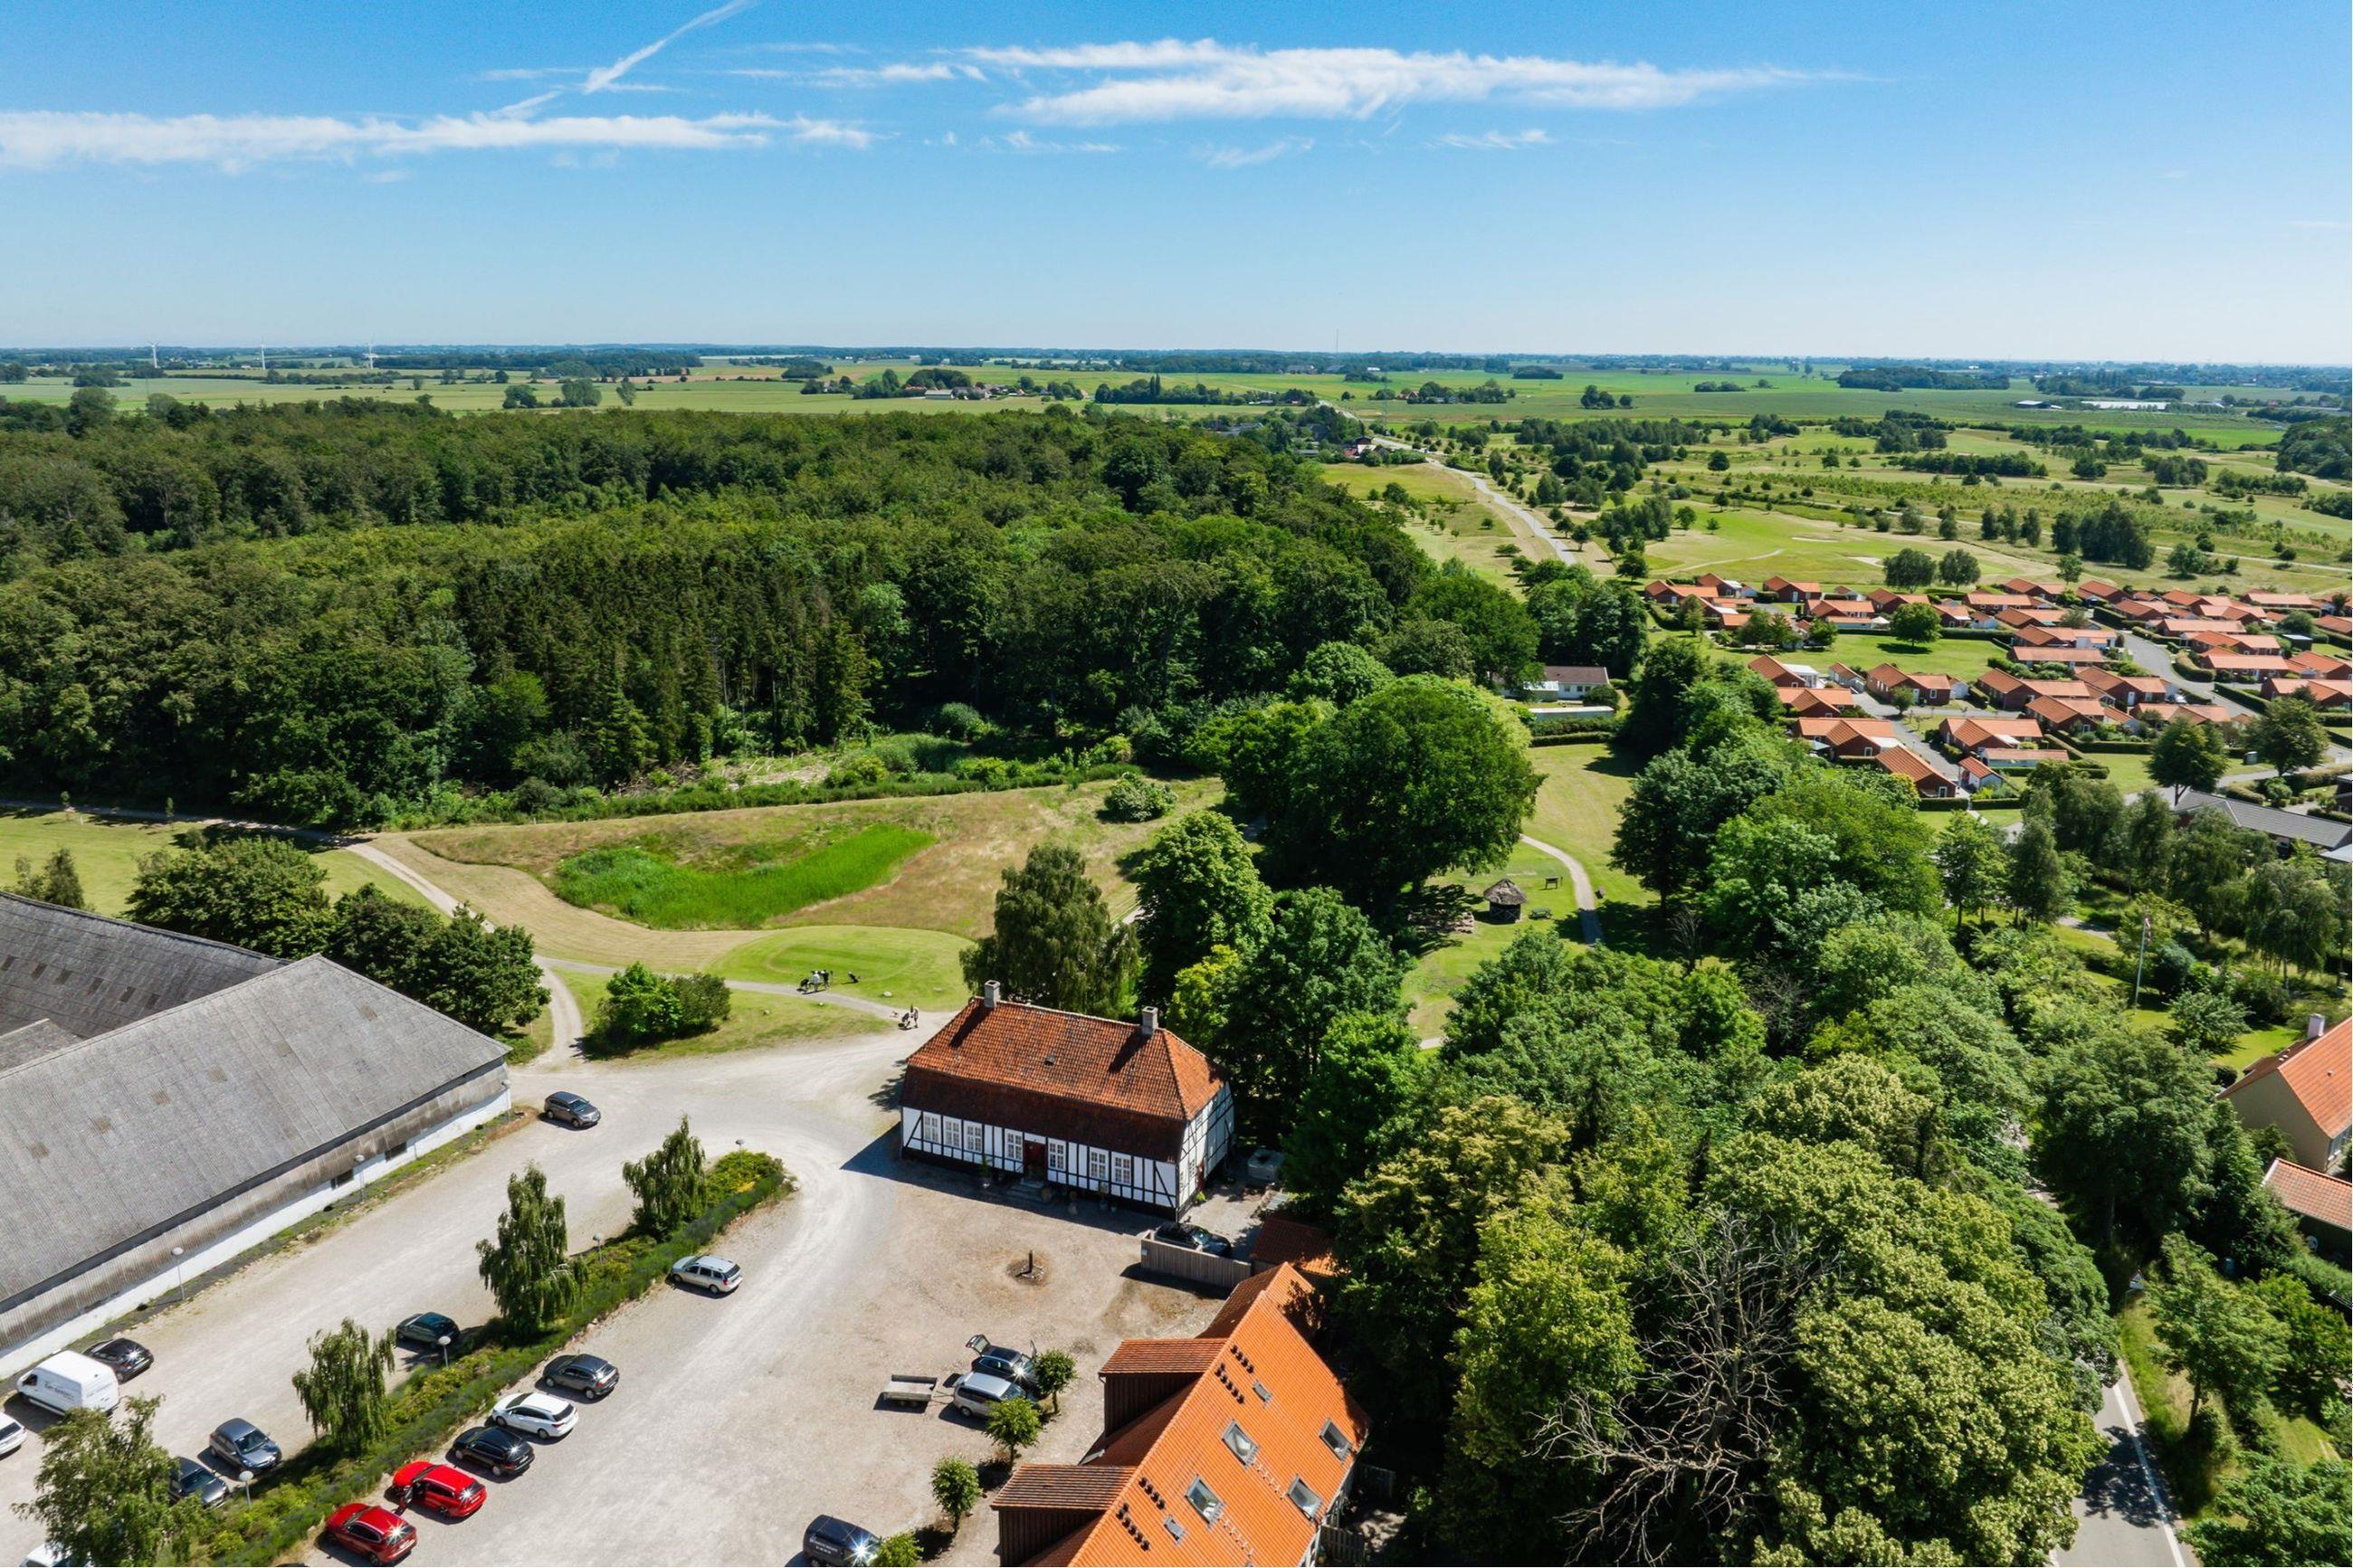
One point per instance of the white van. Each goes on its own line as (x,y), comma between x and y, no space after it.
(68,1382)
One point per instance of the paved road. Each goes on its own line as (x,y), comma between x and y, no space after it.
(1588,917)
(2124,1517)
(1911,740)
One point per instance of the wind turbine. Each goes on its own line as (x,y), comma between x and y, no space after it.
(371,355)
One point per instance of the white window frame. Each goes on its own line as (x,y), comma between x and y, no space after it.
(928,1129)
(1242,1446)
(1314,1505)
(1196,1493)
(1337,1441)
(1058,1155)
(976,1140)
(1098,1167)
(1123,1170)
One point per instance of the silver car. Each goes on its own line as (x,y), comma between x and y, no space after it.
(977,1392)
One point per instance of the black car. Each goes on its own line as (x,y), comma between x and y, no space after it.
(193,1480)
(242,1446)
(492,1448)
(571,1110)
(427,1329)
(838,1541)
(591,1377)
(129,1358)
(1176,1233)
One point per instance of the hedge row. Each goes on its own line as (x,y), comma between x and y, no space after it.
(431,1406)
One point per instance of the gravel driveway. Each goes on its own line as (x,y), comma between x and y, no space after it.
(736,1419)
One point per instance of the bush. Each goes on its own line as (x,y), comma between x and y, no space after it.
(857,770)
(898,1551)
(1137,800)
(962,721)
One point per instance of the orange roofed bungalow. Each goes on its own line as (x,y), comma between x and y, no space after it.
(1235,1445)
(1128,1111)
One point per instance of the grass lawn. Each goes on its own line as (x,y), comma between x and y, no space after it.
(1967,657)
(1439,973)
(895,964)
(750,885)
(106,853)
(1577,809)
(753,1021)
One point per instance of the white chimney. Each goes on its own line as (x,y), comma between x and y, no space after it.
(2315,1025)
(990,993)
(1150,1024)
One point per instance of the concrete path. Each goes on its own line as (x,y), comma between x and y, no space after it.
(1588,917)
(2125,1516)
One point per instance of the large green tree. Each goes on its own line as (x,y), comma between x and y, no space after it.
(1054,942)
(1196,887)
(1416,778)
(2277,1511)
(668,1182)
(2189,754)
(2216,1333)
(343,1389)
(1366,1073)
(2123,1129)
(1322,960)
(251,889)
(2289,735)
(103,1489)
(529,1266)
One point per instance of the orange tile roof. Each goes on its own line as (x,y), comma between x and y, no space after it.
(1303,1246)
(1061,1516)
(1097,1080)
(2312,1194)
(2319,1072)
(1189,1356)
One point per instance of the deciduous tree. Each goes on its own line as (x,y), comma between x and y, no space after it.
(342,1390)
(667,1183)
(1055,942)
(529,1267)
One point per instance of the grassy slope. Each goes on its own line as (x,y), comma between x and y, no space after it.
(107,854)
(902,934)
(1576,809)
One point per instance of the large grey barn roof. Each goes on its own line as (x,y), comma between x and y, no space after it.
(117,1136)
(88,974)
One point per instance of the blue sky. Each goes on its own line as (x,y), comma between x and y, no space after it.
(2078,180)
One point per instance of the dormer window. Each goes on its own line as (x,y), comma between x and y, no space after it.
(1204,1501)
(1303,1498)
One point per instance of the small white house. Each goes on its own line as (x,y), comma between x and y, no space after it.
(1129,1110)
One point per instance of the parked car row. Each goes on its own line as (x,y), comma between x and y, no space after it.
(502,1448)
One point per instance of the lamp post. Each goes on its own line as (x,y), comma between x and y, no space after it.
(245,1484)
(444,1342)
(179,1276)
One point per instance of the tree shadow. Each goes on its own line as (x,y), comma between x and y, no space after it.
(1431,916)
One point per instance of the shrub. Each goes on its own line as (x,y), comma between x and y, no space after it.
(961,720)
(1137,800)
(898,1551)
(862,768)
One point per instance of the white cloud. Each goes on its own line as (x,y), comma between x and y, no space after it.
(895,75)
(41,139)
(828,132)
(1244,157)
(1174,79)
(1494,141)
(604,77)
(1023,142)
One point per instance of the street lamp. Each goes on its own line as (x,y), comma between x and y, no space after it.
(179,1279)
(444,1342)
(244,1483)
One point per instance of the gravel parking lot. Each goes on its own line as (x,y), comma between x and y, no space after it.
(738,1418)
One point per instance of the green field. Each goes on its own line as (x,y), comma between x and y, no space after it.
(752,885)
(106,853)
(753,1021)
(1439,972)
(900,965)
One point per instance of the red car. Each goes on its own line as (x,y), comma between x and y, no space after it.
(375,1534)
(452,1494)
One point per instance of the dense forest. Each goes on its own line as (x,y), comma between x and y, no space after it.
(330,613)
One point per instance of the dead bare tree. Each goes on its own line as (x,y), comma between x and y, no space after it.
(1671,1465)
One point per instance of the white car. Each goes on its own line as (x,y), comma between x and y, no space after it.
(715,1275)
(12,1434)
(534,1415)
